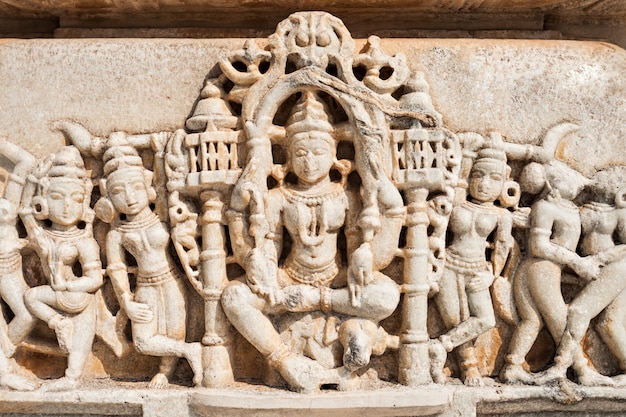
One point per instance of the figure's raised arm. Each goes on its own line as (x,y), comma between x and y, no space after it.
(92,277)
(23,162)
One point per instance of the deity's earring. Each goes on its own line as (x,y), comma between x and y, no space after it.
(104,207)
(279,172)
(510,195)
(344,167)
(88,213)
(620,199)
(40,207)
(152,195)
(104,210)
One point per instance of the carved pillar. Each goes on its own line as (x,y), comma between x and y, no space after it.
(413,358)
(218,334)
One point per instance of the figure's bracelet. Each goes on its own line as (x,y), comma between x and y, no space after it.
(326,299)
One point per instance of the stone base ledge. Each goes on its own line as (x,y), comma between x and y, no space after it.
(498,400)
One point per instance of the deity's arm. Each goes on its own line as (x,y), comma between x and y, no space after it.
(117,269)
(503,241)
(26,211)
(351,230)
(240,240)
(385,242)
(541,224)
(23,163)
(157,143)
(274,215)
(92,278)
(388,214)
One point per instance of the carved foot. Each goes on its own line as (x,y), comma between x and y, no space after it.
(356,353)
(159,381)
(516,374)
(438,356)
(348,380)
(302,374)
(619,380)
(7,346)
(64,329)
(589,377)
(16,382)
(61,384)
(194,357)
(472,377)
(551,375)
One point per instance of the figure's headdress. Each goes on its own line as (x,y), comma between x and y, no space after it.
(120,155)
(121,160)
(492,155)
(67,164)
(310,114)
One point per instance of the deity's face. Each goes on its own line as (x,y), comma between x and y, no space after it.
(128,192)
(65,198)
(312,157)
(486,181)
(8,214)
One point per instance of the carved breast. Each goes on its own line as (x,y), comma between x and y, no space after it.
(473,220)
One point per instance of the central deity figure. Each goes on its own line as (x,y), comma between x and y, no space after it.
(311,284)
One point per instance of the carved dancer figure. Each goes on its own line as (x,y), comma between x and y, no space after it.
(12,285)
(463,300)
(602,220)
(157,308)
(59,192)
(311,279)
(555,229)
(12,289)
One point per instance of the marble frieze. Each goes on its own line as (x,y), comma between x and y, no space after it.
(312,212)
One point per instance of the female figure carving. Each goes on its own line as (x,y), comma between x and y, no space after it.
(157,308)
(603,220)
(463,300)
(62,191)
(555,229)
(311,279)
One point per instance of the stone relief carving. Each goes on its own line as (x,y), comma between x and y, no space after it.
(55,202)
(315,204)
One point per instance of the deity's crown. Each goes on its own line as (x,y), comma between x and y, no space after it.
(491,154)
(67,163)
(120,154)
(310,114)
